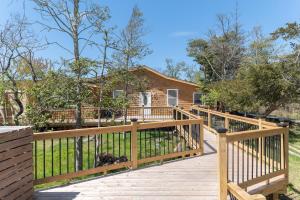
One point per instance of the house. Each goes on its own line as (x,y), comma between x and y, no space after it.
(162,90)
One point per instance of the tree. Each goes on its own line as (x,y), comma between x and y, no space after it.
(174,70)
(261,72)
(220,55)
(291,34)
(77,20)
(131,49)
(17,41)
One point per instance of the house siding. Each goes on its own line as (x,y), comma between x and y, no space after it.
(158,87)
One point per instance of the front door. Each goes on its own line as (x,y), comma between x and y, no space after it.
(145,99)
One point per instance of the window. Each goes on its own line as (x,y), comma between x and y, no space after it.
(172,97)
(197,98)
(117,93)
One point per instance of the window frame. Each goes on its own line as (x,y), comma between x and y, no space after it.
(194,97)
(177,97)
(114,95)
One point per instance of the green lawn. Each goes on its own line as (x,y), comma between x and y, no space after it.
(150,143)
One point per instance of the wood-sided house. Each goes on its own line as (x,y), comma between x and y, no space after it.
(162,90)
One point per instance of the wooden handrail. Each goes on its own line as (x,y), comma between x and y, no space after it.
(132,132)
(241,194)
(236,117)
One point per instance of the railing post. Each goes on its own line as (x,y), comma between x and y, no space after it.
(261,144)
(285,147)
(208,118)
(201,138)
(222,163)
(134,155)
(143,113)
(226,121)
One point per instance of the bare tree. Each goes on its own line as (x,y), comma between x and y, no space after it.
(132,47)
(77,20)
(16,43)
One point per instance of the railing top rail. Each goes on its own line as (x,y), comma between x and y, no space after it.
(236,117)
(241,194)
(111,129)
(187,113)
(169,123)
(80,132)
(237,136)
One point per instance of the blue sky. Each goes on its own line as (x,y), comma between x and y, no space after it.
(171,23)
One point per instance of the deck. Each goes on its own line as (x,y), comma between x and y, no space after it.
(190,178)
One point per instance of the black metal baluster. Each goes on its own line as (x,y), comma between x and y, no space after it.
(59,156)
(88,152)
(145,144)
(95,149)
(232,161)
(238,162)
(125,153)
(67,155)
(113,144)
(52,157)
(265,154)
(140,144)
(119,144)
(248,159)
(256,148)
(107,143)
(159,146)
(101,143)
(269,152)
(150,144)
(243,160)
(74,154)
(252,158)
(35,158)
(130,144)
(273,147)
(44,159)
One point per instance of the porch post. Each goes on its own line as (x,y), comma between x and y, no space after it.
(222,163)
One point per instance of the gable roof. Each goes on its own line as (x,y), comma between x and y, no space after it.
(143,67)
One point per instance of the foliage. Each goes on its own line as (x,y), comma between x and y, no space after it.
(220,55)
(182,70)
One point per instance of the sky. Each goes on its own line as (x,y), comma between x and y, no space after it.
(171,23)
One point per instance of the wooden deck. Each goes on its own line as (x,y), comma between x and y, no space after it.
(190,178)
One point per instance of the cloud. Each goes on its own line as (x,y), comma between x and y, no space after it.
(182,33)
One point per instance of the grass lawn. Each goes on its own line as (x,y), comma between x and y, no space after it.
(150,143)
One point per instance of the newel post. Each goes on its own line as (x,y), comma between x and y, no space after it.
(134,155)
(208,118)
(222,163)
(226,121)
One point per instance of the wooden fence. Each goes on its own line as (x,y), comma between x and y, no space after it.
(16,163)
(252,153)
(110,148)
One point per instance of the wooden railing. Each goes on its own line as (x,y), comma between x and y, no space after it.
(237,193)
(91,114)
(252,153)
(56,154)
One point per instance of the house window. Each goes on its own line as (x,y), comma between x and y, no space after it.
(172,97)
(117,93)
(197,98)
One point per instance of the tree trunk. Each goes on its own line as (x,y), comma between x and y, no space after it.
(78,104)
